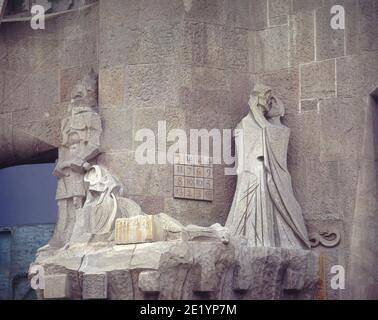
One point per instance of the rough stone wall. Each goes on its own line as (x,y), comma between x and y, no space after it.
(37,71)
(18,246)
(326,77)
(193,63)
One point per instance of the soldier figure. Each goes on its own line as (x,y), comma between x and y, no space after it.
(81,131)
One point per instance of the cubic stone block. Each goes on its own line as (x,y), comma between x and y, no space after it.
(149,281)
(138,229)
(57,287)
(95,286)
(318,80)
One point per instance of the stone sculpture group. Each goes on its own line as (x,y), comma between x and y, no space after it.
(123,253)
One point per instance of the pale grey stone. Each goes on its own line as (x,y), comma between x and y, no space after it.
(57,286)
(261,147)
(329,42)
(318,80)
(351,85)
(269,49)
(149,281)
(306,5)
(95,286)
(302,33)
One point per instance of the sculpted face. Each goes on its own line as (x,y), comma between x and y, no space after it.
(85,92)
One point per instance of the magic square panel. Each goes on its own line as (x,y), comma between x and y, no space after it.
(193,177)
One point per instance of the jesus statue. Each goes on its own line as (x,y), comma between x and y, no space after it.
(264,209)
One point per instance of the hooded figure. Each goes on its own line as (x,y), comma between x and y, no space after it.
(264,209)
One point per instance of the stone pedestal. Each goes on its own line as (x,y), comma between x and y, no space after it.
(182,270)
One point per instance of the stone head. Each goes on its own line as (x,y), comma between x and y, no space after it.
(85,92)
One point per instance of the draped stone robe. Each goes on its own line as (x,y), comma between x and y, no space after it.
(264,208)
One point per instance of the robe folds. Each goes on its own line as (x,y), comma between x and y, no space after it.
(264,209)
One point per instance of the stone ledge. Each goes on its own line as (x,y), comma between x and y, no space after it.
(184,270)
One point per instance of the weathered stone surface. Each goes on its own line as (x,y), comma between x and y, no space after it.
(357,75)
(269,49)
(318,80)
(153,85)
(205,11)
(57,286)
(258,12)
(95,286)
(187,270)
(149,281)
(285,83)
(306,5)
(111,87)
(329,42)
(309,105)
(118,129)
(302,33)
(342,128)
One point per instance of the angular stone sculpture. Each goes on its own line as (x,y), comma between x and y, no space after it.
(106,247)
(264,209)
(81,131)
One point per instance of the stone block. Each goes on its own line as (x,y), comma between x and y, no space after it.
(237,59)
(194,46)
(120,35)
(154,85)
(165,10)
(318,80)
(329,42)
(357,75)
(258,14)
(111,86)
(70,53)
(269,49)
(306,5)
(309,105)
(342,128)
(149,281)
(139,229)
(278,21)
(47,99)
(302,33)
(95,286)
(198,102)
(279,8)
(209,79)
(160,42)
(209,11)
(57,287)
(322,190)
(361,26)
(117,129)
(237,13)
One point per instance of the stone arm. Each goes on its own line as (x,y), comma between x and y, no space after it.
(257,111)
(90,149)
